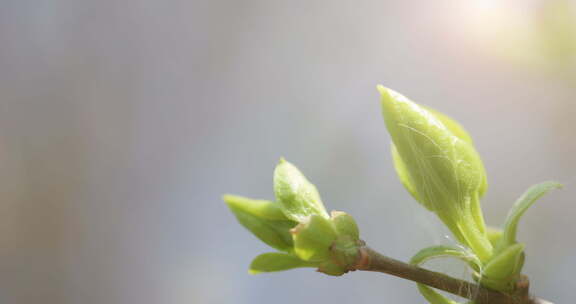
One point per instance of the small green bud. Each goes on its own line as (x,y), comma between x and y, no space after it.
(313,238)
(503,269)
(345,224)
(299,197)
(277,261)
(264,220)
(437,163)
(334,242)
(344,254)
(330,268)
(345,248)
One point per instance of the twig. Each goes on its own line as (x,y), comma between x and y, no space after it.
(371,260)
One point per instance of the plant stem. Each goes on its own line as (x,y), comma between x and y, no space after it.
(370,260)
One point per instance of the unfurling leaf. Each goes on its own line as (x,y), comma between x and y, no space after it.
(277,261)
(260,208)
(299,198)
(263,220)
(433,297)
(520,206)
(438,252)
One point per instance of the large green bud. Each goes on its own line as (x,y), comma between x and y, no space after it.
(436,161)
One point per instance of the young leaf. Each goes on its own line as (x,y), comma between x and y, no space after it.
(519,208)
(433,296)
(260,208)
(299,197)
(437,252)
(440,251)
(255,215)
(277,261)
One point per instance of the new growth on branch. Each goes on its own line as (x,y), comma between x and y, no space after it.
(436,161)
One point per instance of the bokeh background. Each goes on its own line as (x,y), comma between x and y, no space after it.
(123,122)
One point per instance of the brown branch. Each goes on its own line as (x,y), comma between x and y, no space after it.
(370,260)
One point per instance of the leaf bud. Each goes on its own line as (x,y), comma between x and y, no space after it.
(438,164)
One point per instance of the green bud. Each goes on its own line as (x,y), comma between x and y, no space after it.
(344,255)
(313,238)
(264,219)
(345,224)
(345,248)
(330,268)
(299,198)
(437,163)
(503,269)
(277,261)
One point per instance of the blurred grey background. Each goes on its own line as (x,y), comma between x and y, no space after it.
(123,122)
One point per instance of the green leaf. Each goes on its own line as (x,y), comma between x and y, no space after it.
(437,163)
(502,271)
(519,208)
(438,252)
(277,261)
(313,238)
(299,197)
(260,208)
(433,296)
(441,251)
(255,216)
